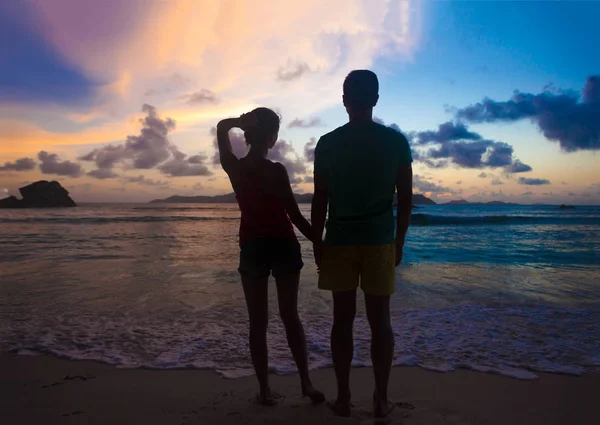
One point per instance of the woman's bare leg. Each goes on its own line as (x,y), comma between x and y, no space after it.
(256,292)
(287,295)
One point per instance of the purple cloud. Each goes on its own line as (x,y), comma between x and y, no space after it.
(144,151)
(102,173)
(567,117)
(517,167)
(21,164)
(238,145)
(309,150)
(199,97)
(284,153)
(145,181)
(423,186)
(533,182)
(446,132)
(292,71)
(312,122)
(50,164)
(462,147)
(150,149)
(180,165)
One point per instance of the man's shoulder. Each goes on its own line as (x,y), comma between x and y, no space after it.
(330,139)
(392,132)
(332,135)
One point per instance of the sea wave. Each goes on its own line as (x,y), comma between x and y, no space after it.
(110,220)
(440,220)
(514,341)
(417,219)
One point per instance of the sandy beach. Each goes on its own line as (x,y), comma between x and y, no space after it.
(48,390)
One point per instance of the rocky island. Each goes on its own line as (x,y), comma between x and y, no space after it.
(41,194)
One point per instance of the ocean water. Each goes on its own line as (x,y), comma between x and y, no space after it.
(504,289)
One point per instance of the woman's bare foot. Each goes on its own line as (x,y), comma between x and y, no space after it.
(315,396)
(381,408)
(341,406)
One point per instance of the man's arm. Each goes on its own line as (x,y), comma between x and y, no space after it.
(404,209)
(318,214)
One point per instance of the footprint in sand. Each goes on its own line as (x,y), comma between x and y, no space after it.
(75,413)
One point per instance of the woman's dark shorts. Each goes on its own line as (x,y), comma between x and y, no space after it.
(260,257)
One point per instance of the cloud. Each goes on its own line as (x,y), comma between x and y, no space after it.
(50,164)
(497,182)
(446,132)
(309,179)
(144,151)
(145,181)
(526,193)
(312,122)
(309,150)
(150,149)
(292,71)
(478,154)
(180,165)
(564,116)
(533,182)
(482,175)
(21,164)
(459,182)
(202,96)
(105,157)
(462,147)
(238,145)
(284,153)
(517,167)
(102,173)
(425,186)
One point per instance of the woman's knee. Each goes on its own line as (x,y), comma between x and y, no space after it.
(288,315)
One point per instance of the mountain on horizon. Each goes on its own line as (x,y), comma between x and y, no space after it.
(465,202)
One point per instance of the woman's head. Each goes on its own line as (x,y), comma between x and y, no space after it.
(264,129)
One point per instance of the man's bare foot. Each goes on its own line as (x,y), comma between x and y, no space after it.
(381,408)
(267,397)
(315,396)
(341,406)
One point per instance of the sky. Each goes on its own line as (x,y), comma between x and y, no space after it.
(118,101)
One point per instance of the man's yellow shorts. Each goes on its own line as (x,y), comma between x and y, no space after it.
(343,266)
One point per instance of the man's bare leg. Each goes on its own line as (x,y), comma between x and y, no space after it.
(342,347)
(382,350)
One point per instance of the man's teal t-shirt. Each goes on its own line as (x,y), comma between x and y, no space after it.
(360,163)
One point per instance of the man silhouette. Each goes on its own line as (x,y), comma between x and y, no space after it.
(357,168)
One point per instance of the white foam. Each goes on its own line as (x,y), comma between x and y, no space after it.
(511,341)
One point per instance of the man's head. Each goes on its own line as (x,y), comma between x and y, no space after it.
(361,91)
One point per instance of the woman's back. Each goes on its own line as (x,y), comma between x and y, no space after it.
(263,211)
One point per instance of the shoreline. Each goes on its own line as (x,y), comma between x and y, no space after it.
(50,390)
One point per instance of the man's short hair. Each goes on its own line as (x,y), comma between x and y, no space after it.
(361,89)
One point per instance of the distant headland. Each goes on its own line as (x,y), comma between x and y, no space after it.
(464,202)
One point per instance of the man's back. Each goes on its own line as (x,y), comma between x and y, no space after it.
(360,162)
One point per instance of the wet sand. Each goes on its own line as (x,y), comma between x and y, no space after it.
(47,390)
